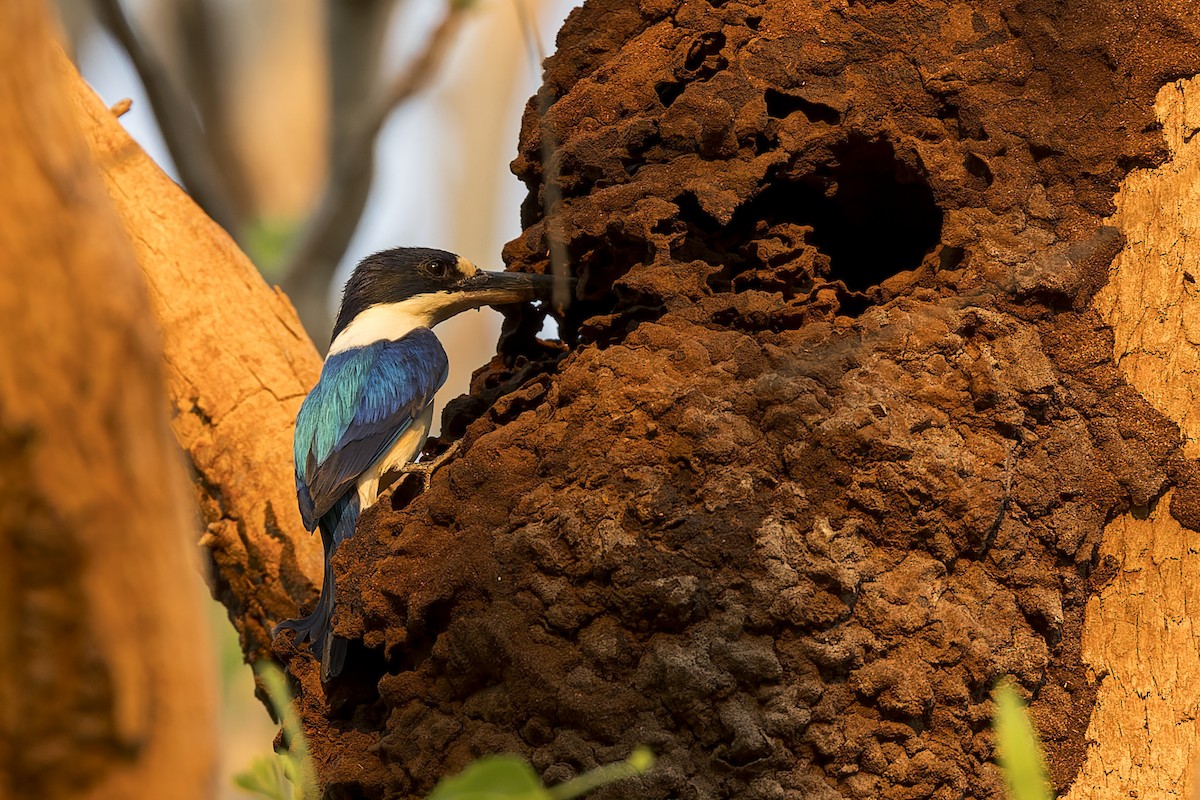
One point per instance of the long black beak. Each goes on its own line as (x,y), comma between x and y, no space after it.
(499,288)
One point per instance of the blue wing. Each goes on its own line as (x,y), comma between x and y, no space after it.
(366,397)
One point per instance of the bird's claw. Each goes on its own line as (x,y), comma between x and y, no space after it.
(426,468)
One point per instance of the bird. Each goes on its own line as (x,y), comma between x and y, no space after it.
(372,407)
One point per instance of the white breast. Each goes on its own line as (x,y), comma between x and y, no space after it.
(404,451)
(395,320)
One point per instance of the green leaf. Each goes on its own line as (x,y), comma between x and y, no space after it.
(289,775)
(638,763)
(262,778)
(492,778)
(290,765)
(511,778)
(1017,745)
(298,761)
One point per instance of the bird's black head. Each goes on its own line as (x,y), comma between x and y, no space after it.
(408,287)
(393,276)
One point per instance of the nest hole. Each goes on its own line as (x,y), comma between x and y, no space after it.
(872,215)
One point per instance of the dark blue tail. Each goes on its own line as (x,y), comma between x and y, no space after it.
(336,527)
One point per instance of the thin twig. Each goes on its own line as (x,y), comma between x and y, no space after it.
(180,129)
(417,76)
(327,233)
(551,186)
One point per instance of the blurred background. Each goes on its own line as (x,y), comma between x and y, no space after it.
(317,132)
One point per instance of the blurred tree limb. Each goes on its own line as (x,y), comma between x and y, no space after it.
(106,687)
(362,98)
(361,106)
(200,71)
(182,132)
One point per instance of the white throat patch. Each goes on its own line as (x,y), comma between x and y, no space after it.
(394,320)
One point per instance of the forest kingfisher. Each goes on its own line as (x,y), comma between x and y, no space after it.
(372,407)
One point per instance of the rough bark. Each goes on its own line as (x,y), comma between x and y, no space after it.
(106,679)
(840,437)
(1138,638)
(238,364)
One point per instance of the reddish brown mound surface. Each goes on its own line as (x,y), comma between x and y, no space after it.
(837,435)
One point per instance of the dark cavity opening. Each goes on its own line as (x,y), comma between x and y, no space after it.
(669,91)
(780,106)
(977,167)
(873,216)
(704,56)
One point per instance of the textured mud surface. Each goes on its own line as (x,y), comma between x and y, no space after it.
(836,436)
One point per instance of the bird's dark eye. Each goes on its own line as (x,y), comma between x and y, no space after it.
(437,269)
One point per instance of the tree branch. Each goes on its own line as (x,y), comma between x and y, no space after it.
(356,126)
(207,83)
(181,130)
(238,365)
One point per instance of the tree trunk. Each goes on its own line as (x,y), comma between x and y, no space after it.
(106,679)
(1137,632)
(238,366)
(841,437)
(873,394)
